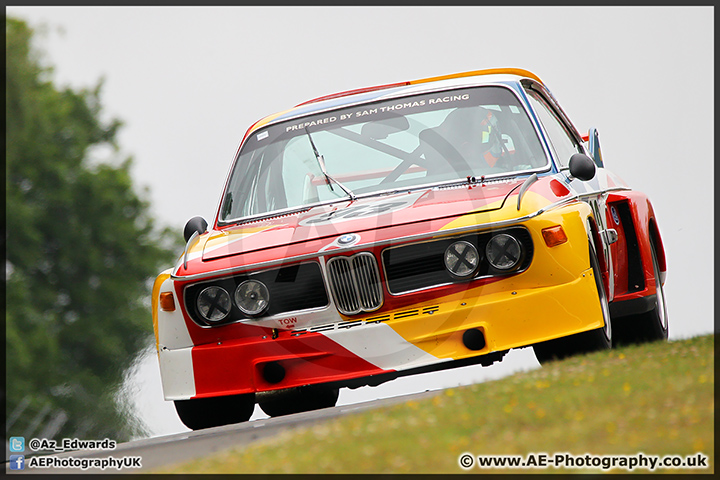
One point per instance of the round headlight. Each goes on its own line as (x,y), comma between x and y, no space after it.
(252,297)
(461,259)
(213,303)
(503,251)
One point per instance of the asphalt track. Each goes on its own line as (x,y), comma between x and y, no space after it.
(171,449)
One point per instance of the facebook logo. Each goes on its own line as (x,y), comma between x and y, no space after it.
(17,444)
(17,462)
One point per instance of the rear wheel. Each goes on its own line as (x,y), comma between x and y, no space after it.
(584,342)
(199,413)
(649,326)
(295,400)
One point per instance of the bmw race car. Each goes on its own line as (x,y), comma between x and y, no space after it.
(402,229)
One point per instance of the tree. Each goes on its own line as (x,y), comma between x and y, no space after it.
(81,247)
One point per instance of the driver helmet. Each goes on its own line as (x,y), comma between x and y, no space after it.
(470,131)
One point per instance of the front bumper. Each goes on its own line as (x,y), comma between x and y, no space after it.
(555,297)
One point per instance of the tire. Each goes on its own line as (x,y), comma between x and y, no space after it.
(650,326)
(296,400)
(200,413)
(584,342)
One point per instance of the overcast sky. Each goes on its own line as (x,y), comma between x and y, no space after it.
(189,81)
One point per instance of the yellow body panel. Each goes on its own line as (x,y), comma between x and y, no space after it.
(490,71)
(507,317)
(219,239)
(556,296)
(155,301)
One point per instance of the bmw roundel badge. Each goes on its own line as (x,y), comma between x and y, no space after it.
(348,239)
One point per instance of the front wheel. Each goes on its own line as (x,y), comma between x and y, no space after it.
(199,413)
(584,342)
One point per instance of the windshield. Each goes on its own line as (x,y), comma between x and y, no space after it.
(382,146)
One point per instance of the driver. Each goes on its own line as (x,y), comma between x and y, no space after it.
(470,131)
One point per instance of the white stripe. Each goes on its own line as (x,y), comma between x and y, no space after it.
(176,372)
(175,354)
(382,346)
(172,331)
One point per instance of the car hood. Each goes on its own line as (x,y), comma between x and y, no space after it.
(329,222)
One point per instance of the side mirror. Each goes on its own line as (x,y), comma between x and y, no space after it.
(594,147)
(195,224)
(582,167)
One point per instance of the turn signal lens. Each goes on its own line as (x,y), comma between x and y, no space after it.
(167,302)
(554,236)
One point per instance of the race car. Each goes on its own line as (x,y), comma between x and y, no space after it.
(402,229)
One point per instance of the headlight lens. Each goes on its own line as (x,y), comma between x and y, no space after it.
(503,251)
(461,259)
(213,303)
(252,297)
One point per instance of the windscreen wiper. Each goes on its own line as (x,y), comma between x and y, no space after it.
(328,179)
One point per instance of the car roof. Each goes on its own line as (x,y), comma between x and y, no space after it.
(475,77)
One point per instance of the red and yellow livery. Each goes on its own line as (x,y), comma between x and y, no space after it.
(401,229)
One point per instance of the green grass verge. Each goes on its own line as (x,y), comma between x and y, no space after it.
(657,399)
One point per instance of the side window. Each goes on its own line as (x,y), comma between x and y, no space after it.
(561,141)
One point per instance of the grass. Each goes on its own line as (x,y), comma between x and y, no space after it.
(657,399)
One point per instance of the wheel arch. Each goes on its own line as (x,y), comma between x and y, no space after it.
(594,233)
(654,232)
(647,230)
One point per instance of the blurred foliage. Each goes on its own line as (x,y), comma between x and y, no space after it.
(81,251)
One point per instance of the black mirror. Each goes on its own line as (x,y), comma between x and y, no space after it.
(380,129)
(582,167)
(195,224)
